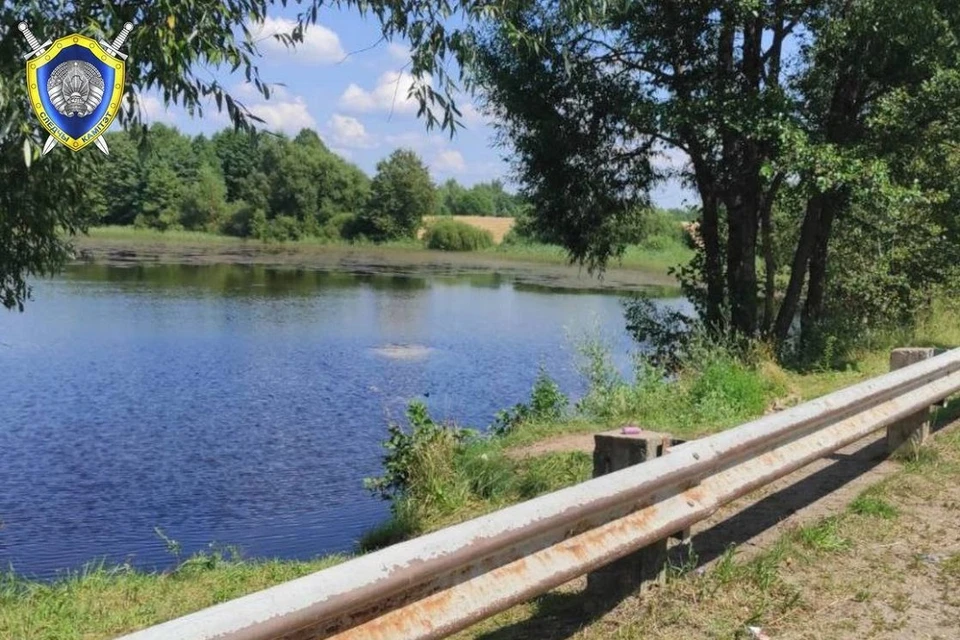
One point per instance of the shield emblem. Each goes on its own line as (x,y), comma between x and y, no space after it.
(75,88)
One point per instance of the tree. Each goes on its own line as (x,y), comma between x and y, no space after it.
(172,47)
(123,187)
(401,194)
(448,197)
(240,154)
(204,204)
(589,96)
(475,202)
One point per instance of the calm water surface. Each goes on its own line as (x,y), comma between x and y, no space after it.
(244,406)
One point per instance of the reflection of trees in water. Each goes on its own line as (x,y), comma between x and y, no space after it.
(241,280)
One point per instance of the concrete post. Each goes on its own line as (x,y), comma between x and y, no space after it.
(905,437)
(613,451)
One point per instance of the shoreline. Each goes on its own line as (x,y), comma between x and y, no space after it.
(368,260)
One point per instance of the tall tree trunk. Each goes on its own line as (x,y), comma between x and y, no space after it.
(816,287)
(769,258)
(713,266)
(743,213)
(798,269)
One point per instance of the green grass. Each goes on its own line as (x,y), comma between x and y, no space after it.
(136,235)
(655,256)
(868,504)
(102,602)
(658,257)
(824,536)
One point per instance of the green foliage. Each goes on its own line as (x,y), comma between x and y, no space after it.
(547,404)
(204,205)
(664,333)
(426,444)
(452,235)
(482,199)
(342,226)
(401,194)
(436,474)
(542,474)
(712,388)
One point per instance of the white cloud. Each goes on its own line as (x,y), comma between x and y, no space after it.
(320,44)
(247,91)
(449,161)
(288,116)
(348,132)
(391,94)
(398,52)
(153,109)
(470,115)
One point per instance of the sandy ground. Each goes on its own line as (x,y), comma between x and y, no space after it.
(371,260)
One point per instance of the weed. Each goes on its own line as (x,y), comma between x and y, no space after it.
(951,566)
(726,568)
(547,404)
(867,504)
(549,473)
(921,459)
(824,536)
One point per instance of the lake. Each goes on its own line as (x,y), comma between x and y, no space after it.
(244,405)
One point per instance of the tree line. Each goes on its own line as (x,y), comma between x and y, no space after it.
(270,186)
(822,137)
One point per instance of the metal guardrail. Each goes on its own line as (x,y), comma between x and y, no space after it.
(445,581)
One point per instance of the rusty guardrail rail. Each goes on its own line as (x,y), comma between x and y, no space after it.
(445,581)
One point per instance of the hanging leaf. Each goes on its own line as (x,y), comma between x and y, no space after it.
(27,152)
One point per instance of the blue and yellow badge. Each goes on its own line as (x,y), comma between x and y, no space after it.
(75,85)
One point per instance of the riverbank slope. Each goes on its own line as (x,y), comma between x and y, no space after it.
(536,265)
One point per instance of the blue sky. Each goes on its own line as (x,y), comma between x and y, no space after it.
(353,92)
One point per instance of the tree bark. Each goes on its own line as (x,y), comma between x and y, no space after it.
(798,269)
(769,258)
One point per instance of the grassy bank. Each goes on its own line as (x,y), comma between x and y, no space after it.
(438,474)
(657,255)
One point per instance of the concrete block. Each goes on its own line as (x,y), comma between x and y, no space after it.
(906,436)
(613,451)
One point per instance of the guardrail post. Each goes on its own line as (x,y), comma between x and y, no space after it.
(906,436)
(613,451)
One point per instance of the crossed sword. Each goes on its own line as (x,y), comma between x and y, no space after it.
(112,49)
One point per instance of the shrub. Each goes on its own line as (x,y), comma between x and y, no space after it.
(416,455)
(453,235)
(342,226)
(547,403)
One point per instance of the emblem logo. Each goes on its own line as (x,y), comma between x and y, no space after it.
(75,85)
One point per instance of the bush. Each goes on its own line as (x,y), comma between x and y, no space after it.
(547,403)
(453,235)
(415,454)
(711,387)
(342,226)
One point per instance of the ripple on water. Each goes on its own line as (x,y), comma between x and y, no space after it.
(403,351)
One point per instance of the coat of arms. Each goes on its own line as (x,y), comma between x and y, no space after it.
(75,85)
